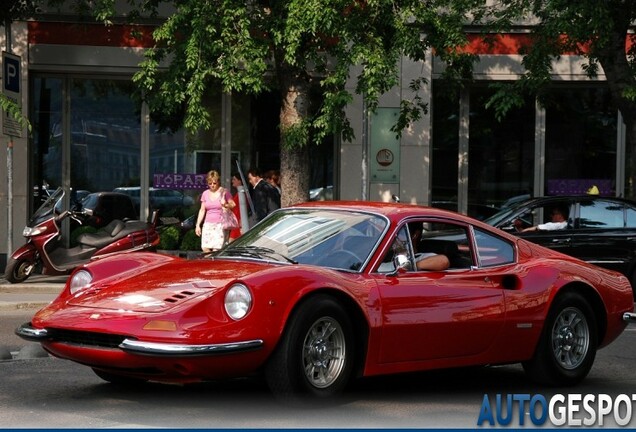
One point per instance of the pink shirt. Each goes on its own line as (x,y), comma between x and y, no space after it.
(212,206)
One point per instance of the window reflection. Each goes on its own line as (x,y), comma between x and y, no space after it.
(580,136)
(501,152)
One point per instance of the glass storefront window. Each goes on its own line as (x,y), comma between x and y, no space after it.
(580,141)
(501,153)
(105,135)
(46,162)
(445,134)
(101,140)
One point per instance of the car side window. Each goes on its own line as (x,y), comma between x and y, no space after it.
(544,215)
(493,250)
(630,218)
(601,214)
(420,241)
(446,239)
(401,245)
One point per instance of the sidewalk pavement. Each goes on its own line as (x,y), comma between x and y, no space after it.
(34,293)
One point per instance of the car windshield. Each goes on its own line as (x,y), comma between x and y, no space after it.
(502,215)
(327,238)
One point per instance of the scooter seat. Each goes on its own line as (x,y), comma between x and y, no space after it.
(115,230)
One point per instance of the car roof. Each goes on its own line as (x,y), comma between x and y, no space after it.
(533,200)
(390,210)
(102,193)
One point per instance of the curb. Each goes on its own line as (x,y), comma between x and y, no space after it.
(10,306)
(33,294)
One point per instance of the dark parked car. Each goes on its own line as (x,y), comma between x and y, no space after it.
(600,230)
(477,211)
(106,206)
(167,201)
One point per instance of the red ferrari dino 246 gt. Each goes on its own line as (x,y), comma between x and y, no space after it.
(321,292)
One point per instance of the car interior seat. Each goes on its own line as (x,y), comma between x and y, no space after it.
(445,247)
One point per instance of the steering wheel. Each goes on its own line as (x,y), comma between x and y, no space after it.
(521,223)
(343,258)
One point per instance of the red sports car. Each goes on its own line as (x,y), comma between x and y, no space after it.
(322,292)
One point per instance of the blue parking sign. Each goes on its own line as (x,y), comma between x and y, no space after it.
(11,72)
(11,77)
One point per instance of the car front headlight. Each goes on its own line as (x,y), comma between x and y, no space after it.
(80,280)
(238,301)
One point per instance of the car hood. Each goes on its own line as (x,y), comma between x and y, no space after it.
(165,287)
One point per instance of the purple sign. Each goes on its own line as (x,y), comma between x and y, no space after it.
(179,181)
(579,186)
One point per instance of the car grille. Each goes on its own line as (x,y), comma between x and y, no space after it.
(86,338)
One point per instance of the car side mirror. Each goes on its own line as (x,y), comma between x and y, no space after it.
(401,263)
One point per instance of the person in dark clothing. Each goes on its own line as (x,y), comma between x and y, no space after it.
(265,197)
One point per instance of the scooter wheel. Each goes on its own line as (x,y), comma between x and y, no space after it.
(18,270)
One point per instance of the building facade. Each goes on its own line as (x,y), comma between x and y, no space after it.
(91,132)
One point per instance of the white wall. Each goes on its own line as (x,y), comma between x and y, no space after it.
(18,155)
(414,182)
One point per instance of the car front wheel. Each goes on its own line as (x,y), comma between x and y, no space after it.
(315,355)
(567,347)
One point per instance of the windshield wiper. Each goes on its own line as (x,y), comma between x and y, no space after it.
(256,252)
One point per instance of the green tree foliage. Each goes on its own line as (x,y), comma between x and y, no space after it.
(169,238)
(14,111)
(190,242)
(299,48)
(303,47)
(599,31)
(12,10)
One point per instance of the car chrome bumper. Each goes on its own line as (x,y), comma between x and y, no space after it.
(168,349)
(26,331)
(629,317)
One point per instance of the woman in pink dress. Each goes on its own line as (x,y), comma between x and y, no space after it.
(213,202)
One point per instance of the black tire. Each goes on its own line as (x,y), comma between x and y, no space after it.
(567,346)
(17,270)
(314,358)
(119,380)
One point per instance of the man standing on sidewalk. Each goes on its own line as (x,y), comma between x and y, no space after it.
(265,197)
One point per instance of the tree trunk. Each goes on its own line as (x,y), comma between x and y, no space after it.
(294,155)
(294,172)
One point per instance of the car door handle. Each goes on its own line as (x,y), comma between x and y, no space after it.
(561,240)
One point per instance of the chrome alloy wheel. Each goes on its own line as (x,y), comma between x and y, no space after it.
(570,338)
(324,351)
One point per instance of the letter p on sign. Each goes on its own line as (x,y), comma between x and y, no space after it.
(11,73)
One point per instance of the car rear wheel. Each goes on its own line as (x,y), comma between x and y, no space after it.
(315,355)
(18,270)
(567,347)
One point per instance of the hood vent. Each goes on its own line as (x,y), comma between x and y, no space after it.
(176,297)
